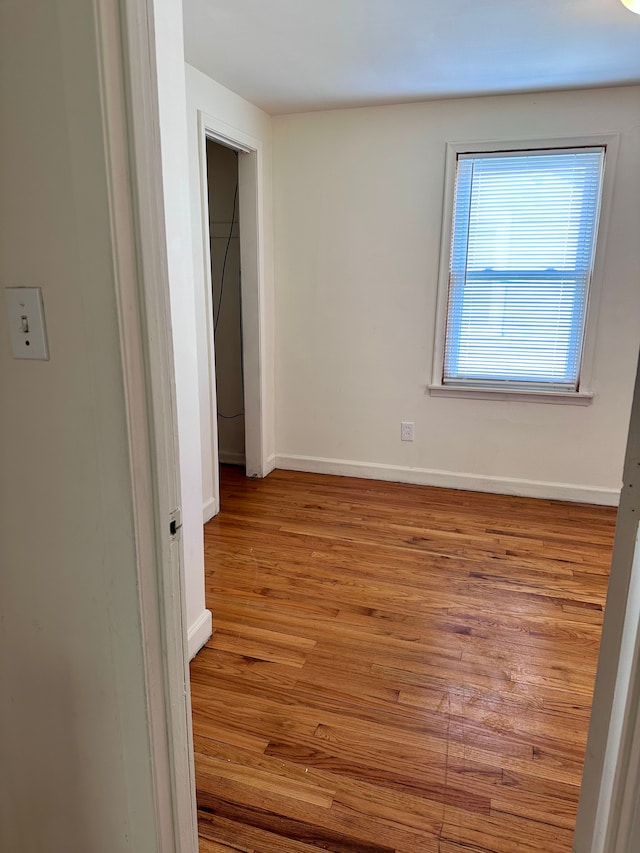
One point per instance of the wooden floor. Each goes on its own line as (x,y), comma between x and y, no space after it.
(395,668)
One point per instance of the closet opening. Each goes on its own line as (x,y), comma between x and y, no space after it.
(226,301)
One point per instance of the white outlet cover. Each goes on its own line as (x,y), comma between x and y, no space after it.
(406,430)
(27,330)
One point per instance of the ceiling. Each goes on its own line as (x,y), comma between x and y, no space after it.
(298,55)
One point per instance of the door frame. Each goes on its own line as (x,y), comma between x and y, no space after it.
(127,46)
(250,190)
(610,790)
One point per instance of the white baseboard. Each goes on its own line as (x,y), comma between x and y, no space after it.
(199,633)
(452,480)
(209,509)
(270,464)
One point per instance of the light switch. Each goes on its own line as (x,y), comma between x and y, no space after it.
(27,329)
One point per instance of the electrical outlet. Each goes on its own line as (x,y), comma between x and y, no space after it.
(406,430)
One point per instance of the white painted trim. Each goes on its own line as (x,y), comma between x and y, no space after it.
(251,188)
(573,398)
(450,479)
(611,784)
(209,510)
(125,35)
(270,464)
(612,143)
(128,298)
(223,139)
(199,633)
(627,782)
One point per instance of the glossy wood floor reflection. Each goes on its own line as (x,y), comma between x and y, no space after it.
(395,668)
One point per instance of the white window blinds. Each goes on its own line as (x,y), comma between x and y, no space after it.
(524,228)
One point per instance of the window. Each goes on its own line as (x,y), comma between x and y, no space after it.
(520,261)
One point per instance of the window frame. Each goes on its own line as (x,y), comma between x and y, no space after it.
(584,393)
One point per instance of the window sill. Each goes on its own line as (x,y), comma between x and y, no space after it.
(563,398)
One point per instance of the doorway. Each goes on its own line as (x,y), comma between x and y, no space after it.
(169,620)
(233,397)
(226,300)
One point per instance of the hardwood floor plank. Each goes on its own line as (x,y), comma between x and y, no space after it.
(283,835)
(395,669)
(273,781)
(292,820)
(256,649)
(206,845)
(221,664)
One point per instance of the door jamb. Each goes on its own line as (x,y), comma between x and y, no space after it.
(125,38)
(250,180)
(611,781)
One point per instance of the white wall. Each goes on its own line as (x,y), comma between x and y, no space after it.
(74,745)
(172,108)
(357,213)
(239,115)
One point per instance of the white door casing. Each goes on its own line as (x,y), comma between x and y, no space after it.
(611,781)
(129,94)
(250,181)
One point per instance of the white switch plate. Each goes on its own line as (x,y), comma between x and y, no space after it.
(406,430)
(27,329)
